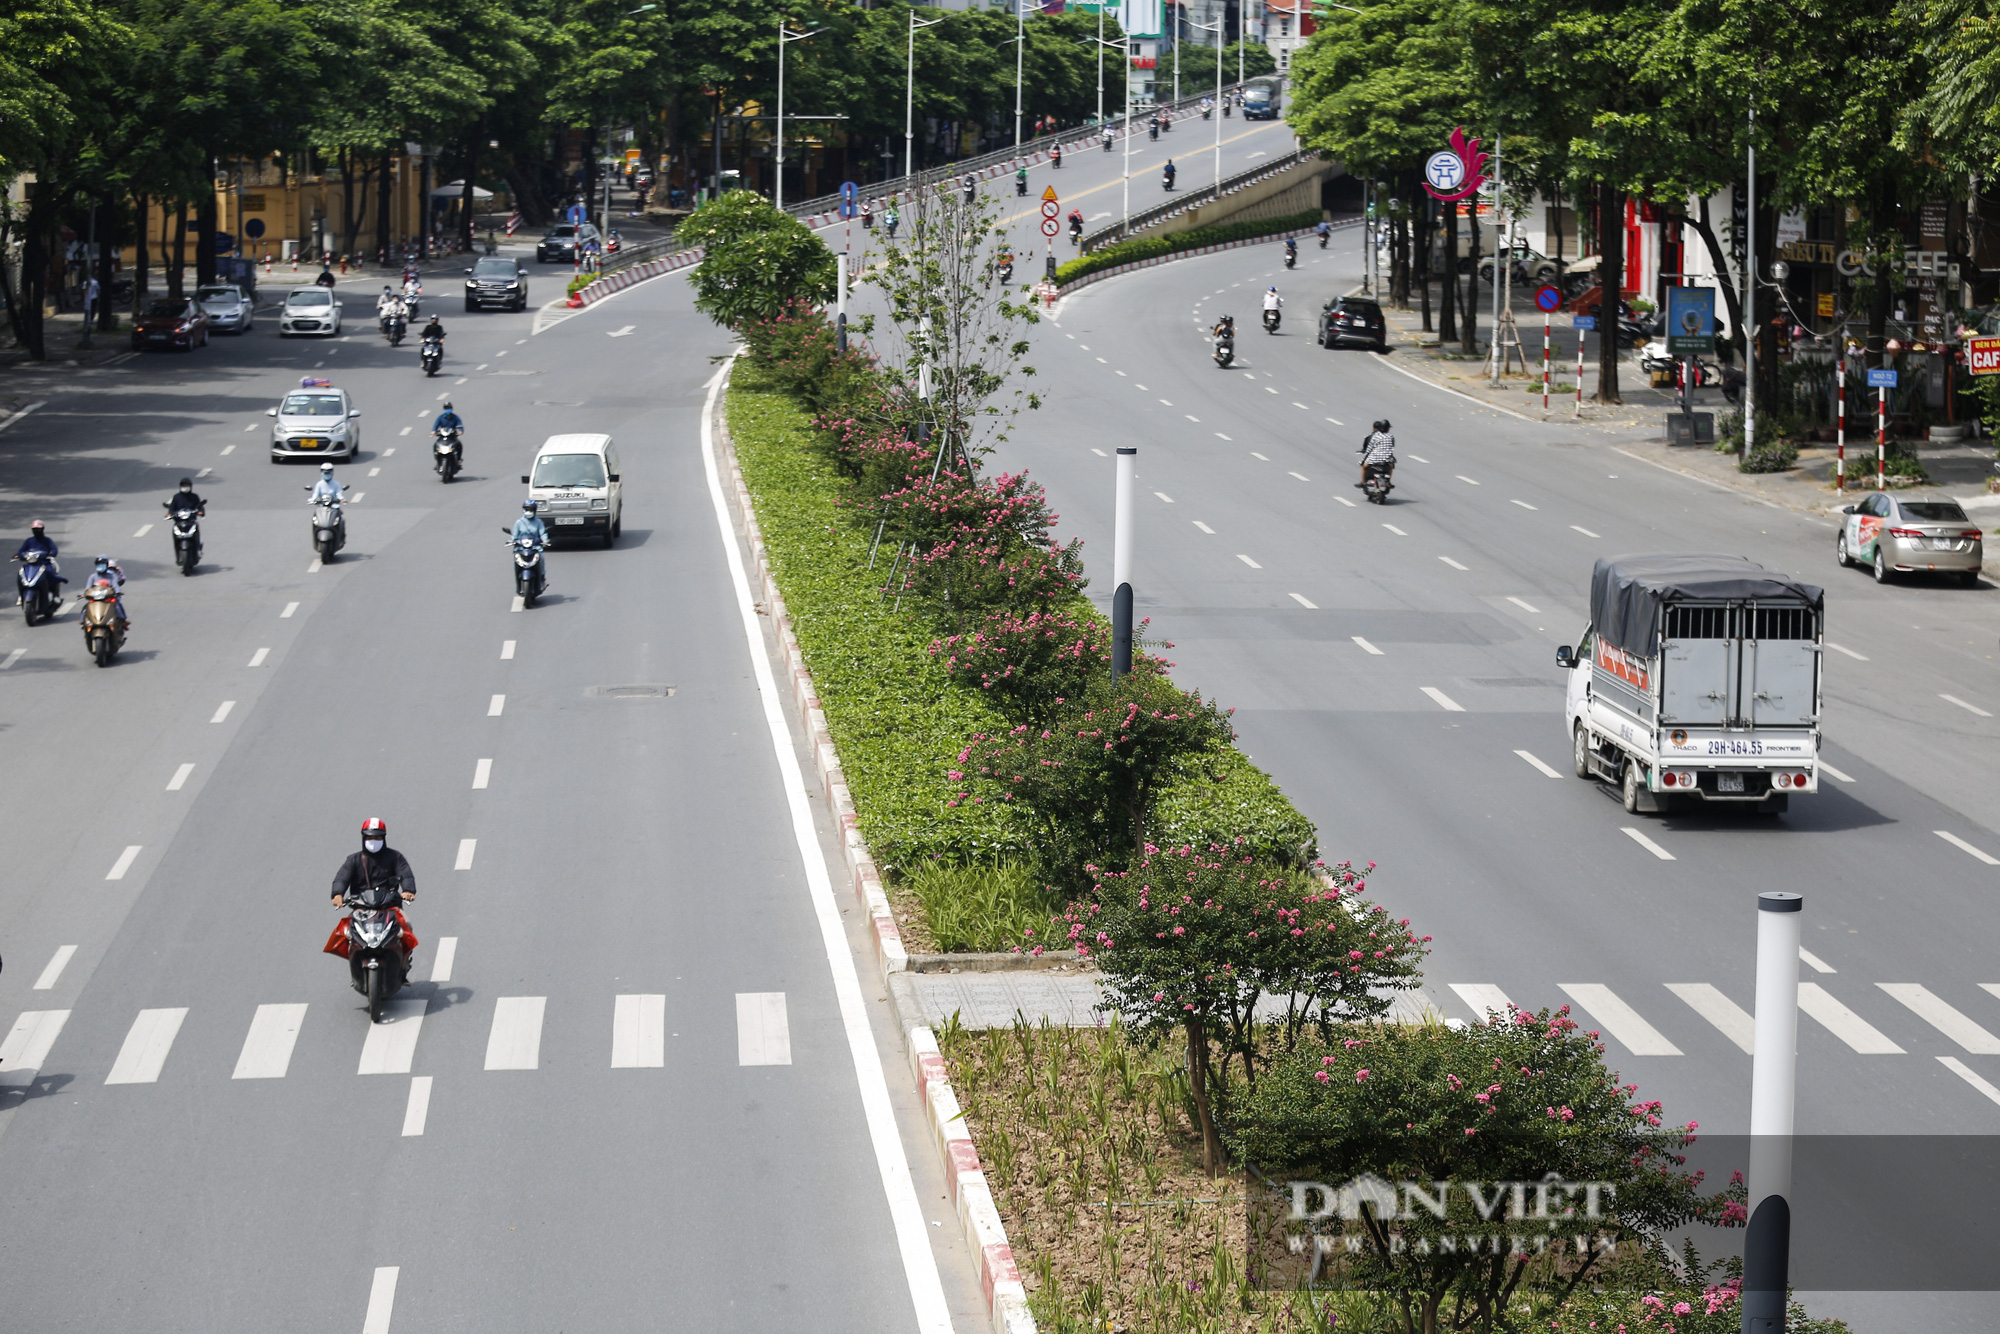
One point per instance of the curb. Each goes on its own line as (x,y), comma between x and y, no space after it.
(978,1216)
(621,279)
(1133,266)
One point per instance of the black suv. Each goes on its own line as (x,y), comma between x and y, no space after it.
(1353,319)
(496,282)
(559,244)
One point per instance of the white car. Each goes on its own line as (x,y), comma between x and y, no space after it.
(315,420)
(309,310)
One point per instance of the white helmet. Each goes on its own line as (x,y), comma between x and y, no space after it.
(326,468)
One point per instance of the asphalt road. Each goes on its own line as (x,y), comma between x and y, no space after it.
(1393,668)
(577,1133)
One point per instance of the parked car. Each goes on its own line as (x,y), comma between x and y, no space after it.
(315,422)
(170,322)
(1892,535)
(494,281)
(227,308)
(1353,319)
(309,310)
(1534,266)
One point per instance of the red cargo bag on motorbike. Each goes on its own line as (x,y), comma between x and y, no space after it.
(337,943)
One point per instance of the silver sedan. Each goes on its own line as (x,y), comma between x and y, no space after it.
(1892,535)
(228,308)
(315,422)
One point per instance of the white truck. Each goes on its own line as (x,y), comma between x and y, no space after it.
(1697,680)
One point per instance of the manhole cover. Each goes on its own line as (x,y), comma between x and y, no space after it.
(630,692)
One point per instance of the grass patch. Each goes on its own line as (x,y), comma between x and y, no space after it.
(981,908)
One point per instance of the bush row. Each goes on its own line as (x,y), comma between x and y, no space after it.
(1149,247)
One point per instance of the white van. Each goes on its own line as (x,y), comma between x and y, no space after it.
(576,488)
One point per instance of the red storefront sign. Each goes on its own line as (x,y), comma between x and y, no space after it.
(1982,356)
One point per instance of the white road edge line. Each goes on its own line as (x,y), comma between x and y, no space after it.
(912,1235)
(1648,844)
(1544,769)
(1963,846)
(1443,390)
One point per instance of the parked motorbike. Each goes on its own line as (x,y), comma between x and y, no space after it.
(1378,483)
(103,627)
(187,536)
(1271,320)
(376,940)
(329,528)
(1225,349)
(447,453)
(39,584)
(432,355)
(528,568)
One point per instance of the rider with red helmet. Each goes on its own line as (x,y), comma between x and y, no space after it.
(376,864)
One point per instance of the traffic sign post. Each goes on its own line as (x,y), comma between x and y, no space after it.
(850,196)
(1548,299)
(1051,209)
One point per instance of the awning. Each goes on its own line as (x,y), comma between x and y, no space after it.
(456,190)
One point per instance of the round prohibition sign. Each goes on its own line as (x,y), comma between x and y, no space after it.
(1049,208)
(1050,227)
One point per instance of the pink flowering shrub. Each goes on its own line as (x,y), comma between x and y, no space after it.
(1030,666)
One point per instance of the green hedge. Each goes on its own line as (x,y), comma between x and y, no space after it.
(898,721)
(1148,247)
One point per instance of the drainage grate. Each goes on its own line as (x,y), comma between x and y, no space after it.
(630,692)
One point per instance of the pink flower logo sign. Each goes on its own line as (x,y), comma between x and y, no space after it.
(1458,172)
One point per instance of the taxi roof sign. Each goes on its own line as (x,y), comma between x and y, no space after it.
(1049,195)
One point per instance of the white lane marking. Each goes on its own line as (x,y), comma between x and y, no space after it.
(1301,476)
(1164,496)
(1826,768)
(481,366)
(1220,436)
(920,1270)
(446,956)
(267,1047)
(418,1110)
(1345,501)
(389,452)
(1418,457)
(1963,846)
(1162,400)
(1463,478)
(1100,453)
(611,333)
(1969,708)
(1941,1015)
(1394,529)
(638,1032)
(1524,606)
(1733,1020)
(481,772)
(1371,650)
(1269,389)
(460,380)
(519,604)
(1844,1023)
(204,472)
(257,658)
(1300,406)
(1842,648)
(763,1034)
(13,658)
(1639,837)
(124,862)
(1247,561)
(1543,769)
(27,1043)
(392,1044)
(57,963)
(1482,998)
(1449,561)
(144,528)
(440,398)
(506,649)
(404,431)
(1522,503)
(1959,1068)
(313,568)
(1581,529)
(515,1040)
(287,613)
(180,778)
(1620,1020)
(1814,962)
(374,472)
(495,706)
(1197,523)
(381,1300)
(222,710)
(1102,362)
(147,1043)
(1191,417)
(465,849)
(1255,455)
(1991,989)
(251,427)
(1300,598)
(1337,422)
(1443,700)
(355,499)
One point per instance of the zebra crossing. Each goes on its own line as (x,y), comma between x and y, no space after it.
(1620,1020)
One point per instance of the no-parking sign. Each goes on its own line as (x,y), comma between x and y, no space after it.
(1548,298)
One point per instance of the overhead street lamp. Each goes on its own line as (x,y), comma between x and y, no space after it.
(778,160)
(910,95)
(1126,43)
(1216,28)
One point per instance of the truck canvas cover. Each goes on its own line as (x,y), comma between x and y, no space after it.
(1627,592)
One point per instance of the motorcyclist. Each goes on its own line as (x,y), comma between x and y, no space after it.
(1224,328)
(1378,451)
(1055,155)
(1075,223)
(1291,249)
(971,187)
(434,329)
(1272,301)
(106,571)
(385,302)
(1021,180)
(1108,136)
(413,288)
(325,278)
(1324,230)
(891,220)
(1207,106)
(185,500)
(377,865)
(1169,171)
(530,525)
(326,490)
(448,420)
(38,539)
(867,216)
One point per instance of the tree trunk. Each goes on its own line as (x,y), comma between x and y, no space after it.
(204,229)
(1399,258)
(348,222)
(1732,299)
(384,200)
(1211,1143)
(107,259)
(471,179)
(142,260)
(1611,284)
(1427,234)
(1448,280)
(1469,311)
(44,207)
(177,267)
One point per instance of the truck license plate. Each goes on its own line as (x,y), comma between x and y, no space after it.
(1729,782)
(578,519)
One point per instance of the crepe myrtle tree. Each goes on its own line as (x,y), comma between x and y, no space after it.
(756,261)
(1456,1169)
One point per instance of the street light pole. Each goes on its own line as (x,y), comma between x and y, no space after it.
(1750,294)
(910,95)
(1100,62)
(1215,113)
(1121,564)
(778,175)
(1773,1093)
(1020,52)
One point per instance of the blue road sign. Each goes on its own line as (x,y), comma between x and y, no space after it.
(1548,298)
(253,228)
(1880,379)
(850,195)
(1586,321)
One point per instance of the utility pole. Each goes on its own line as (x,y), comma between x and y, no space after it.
(910,95)
(1215,113)
(778,161)
(1121,564)
(1773,1089)
(1749,295)
(1020,53)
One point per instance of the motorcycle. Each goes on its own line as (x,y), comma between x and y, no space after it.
(1206,112)
(447,453)
(970,191)
(1377,483)
(376,940)
(1153,131)
(40,585)
(393,328)
(1271,320)
(1006,272)
(1291,257)
(103,628)
(1225,109)
(432,355)
(1322,240)
(411,300)
(187,536)
(1055,156)
(1107,141)
(1167,179)
(528,567)
(1075,233)
(329,526)
(1021,185)
(1225,349)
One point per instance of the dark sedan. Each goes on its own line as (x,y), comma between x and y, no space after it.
(496,282)
(1353,319)
(170,322)
(559,244)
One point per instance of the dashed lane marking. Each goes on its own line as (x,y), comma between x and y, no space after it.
(1449,561)
(1301,599)
(1539,767)
(1444,701)
(1648,844)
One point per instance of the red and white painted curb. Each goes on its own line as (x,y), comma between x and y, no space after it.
(978,1215)
(1116,269)
(637,273)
